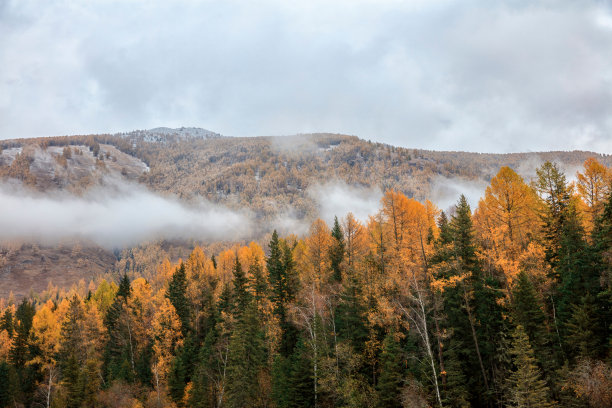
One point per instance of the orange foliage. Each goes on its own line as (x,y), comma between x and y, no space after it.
(505,221)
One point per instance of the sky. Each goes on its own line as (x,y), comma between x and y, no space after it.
(488,76)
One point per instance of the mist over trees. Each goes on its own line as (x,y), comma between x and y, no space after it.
(504,305)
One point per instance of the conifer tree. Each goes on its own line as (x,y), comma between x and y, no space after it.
(23,317)
(552,189)
(527,311)
(177,294)
(350,315)
(301,378)
(246,361)
(6,322)
(240,292)
(282,280)
(576,273)
(583,334)
(118,353)
(259,284)
(336,251)
(455,393)
(392,373)
(526,386)
(72,354)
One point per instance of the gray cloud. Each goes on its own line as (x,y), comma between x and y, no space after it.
(453,75)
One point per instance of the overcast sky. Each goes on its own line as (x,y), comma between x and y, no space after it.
(448,75)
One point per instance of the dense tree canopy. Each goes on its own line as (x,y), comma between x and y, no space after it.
(508,306)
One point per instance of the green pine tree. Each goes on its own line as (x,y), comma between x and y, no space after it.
(177,294)
(246,361)
(72,356)
(240,293)
(455,392)
(527,311)
(552,188)
(526,387)
(583,329)
(283,287)
(19,352)
(6,322)
(392,373)
(336,251)
(116,353)
(350,315)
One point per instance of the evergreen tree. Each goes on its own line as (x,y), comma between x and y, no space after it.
(391,376)
(455,393)
(552,188)
(472,306)
(8,384)
(19,353)
(583,329)
(527,311)
(117,353)
(204,391)
(6,322)
(302,378)
(176,378)
(241,295)
(246,361)
(283,286)
(336,251)
(526,387)
(350,315)
(177,294)
(259,284)
(72,355)
(576,273)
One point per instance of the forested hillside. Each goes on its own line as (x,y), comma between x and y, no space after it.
(268,175)
(275,178)
(507,304)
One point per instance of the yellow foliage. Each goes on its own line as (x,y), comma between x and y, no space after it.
(505,221)
(5,345)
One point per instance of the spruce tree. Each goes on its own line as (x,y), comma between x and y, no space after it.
(552,188)
(259,284)
(116,353)
(177,294)
(391,376)
(240,293)
(350,315)
(8,381)
(576,273)
(583,332)
(283,286)
(6,322)
(246,361)
(19,352)
(455,392)
(526,386)
(336,251)
(72,354)
(527,311)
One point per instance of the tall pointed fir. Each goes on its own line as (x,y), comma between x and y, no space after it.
(526,386)
(177,294)
(336,251)
(118,354)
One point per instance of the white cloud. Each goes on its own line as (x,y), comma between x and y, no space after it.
(116,216)
(336,198)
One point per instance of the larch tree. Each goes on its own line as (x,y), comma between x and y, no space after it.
(505,220)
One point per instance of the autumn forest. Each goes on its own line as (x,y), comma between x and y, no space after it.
(505,304)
